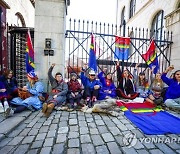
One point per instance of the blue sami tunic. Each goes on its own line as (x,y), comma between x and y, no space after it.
(32,101)
(106,85)
(173,91)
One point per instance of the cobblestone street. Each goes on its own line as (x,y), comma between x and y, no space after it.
(77,132)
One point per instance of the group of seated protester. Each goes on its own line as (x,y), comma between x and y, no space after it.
(92,89)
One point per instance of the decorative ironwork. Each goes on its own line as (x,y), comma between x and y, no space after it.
(78,45)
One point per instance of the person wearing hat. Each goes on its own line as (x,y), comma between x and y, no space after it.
(74,91)
(35,89)
(91,86)
(58,93)
(142,85)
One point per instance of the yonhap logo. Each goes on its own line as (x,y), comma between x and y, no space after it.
(130,140)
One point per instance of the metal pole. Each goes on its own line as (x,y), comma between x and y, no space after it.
(124,32)
(1,64)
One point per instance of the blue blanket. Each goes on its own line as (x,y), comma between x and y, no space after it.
(155,123)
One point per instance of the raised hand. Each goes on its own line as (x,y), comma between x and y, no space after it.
(84,67)
(105,69)
(117,64)
(53,64)
(171,67)
(136,66)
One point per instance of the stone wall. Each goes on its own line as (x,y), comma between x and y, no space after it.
(24,7)
(49,23)
(144,15)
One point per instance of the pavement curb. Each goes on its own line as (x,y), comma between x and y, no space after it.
(9,124)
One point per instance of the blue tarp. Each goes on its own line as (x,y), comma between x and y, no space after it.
(155,123)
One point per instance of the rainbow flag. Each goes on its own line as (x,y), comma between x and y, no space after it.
(121,48)
(151,58)
(150,119)
(29,54)
(92,55)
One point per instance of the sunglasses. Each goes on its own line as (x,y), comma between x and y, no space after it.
(92,74)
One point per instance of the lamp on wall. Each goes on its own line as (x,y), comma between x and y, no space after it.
(48,43)
(48,50)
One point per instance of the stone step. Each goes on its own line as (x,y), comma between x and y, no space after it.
(8,124)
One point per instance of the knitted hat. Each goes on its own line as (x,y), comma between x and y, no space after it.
(32,75)
(73,74)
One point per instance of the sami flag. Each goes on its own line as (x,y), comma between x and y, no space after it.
(121,48)
(151,58)
(29,54)
(92,55)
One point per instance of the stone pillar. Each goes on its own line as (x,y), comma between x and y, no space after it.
(173,24)
(49,23)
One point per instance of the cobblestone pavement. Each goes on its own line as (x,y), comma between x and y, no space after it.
(77,132)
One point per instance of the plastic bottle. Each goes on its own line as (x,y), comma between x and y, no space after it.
(6,105)
(1,107)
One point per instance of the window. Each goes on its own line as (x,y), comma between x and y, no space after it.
(20,20)
(123,15)
(157,26)
(132,8)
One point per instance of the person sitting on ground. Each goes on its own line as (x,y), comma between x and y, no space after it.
(3,92)
(91,86)
(172,95)
(74,91)
(155,96)
(34,90)
(58,94)
(142,85)
(108,89)
(126,87)
(10,84)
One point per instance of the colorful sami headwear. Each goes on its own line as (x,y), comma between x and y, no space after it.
(32,75)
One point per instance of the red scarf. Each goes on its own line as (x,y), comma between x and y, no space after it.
(108,82)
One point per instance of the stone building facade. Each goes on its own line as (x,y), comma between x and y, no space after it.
(19,13)
(153,14)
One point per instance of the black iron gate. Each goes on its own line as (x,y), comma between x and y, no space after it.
(17,48)
(78,39)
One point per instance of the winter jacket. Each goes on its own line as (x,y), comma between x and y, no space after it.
(88,83)
(61,87)
(173,91)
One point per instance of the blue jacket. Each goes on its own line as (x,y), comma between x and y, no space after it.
(111,87)
(173,91)
(34,100)
(87,83)
(103,81)
(9,86)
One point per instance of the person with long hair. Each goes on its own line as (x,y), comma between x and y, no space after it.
(10,84)
(172,95)
(141,83)
(58,93)
(35,89)
(108,89)
(126,87)
(155,96)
